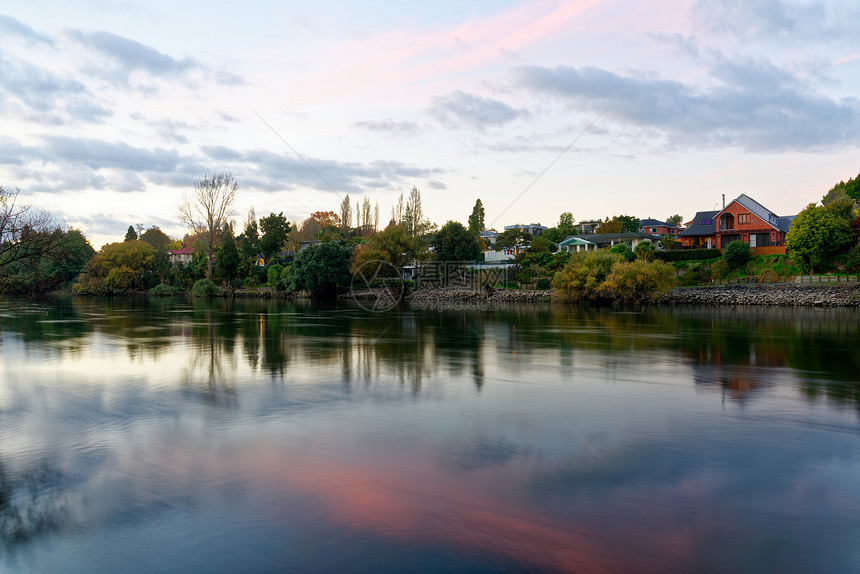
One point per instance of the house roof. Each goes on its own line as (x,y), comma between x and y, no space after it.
(759,210)
(181,251)
(655,223)
(604,238)
(703,224)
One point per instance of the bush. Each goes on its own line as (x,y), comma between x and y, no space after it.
(623,250)
(720,269)
(644,250)
(543,283)
(205,288)
(639,281)
(273,274)
(696,273)
(162,290)
(736,254)
(582,276)
(852,262)
(688,255)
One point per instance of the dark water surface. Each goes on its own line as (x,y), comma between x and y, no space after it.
(248,436)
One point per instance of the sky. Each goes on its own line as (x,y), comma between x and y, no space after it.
(110,111)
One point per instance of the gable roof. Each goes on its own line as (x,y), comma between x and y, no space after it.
(763,213)
(703,224)
(655,223)
(604,238)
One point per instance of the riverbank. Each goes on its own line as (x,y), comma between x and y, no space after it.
(782,295)
(776,295)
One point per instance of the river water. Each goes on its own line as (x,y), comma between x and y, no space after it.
(266,436)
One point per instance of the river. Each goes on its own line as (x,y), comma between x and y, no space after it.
(267,436)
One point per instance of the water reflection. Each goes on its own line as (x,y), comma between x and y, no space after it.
(270,435)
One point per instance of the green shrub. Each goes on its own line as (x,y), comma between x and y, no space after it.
(644,250)
(580,279)
(695,273)
(736,254)
(623,250)
(273,274)
(162,290)
(205,288)
(639,281)
(720,269)
(688,255)
(543,283)
(852,262)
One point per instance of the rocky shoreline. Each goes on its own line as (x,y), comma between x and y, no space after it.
(781,295)
(821,295)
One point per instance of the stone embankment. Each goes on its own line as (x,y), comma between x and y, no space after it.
(501,295)
(846,295)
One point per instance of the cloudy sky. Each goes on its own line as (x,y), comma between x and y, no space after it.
(111,110)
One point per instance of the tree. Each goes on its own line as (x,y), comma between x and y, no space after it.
(815,235)
(675,220)
(542,245)
(26,234)
(345,216)
(131,234)
(455,243)
(157,238)
(227,258)
(117,268)
(511,238)
(391,245)
(413,216)
(619,224)
(321,269)
(566,221)
(851,188)
(207,209)
(275,228)
(51,270)
(476,220)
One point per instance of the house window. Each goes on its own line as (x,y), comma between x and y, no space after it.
(653,230)
(743,218)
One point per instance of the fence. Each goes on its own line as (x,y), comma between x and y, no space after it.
(827,279)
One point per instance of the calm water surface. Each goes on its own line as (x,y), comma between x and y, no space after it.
(176,436)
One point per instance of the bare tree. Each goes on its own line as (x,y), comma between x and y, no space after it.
(26,234)
(397,211)
(208,208)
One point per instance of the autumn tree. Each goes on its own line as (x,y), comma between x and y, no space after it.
(208,208)
(413,216)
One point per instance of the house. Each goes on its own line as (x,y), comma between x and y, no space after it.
(745,219)
(594,241)
(179,256)
(699,233)
(657,227)
(489,237)
(504,254)
(533,229)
